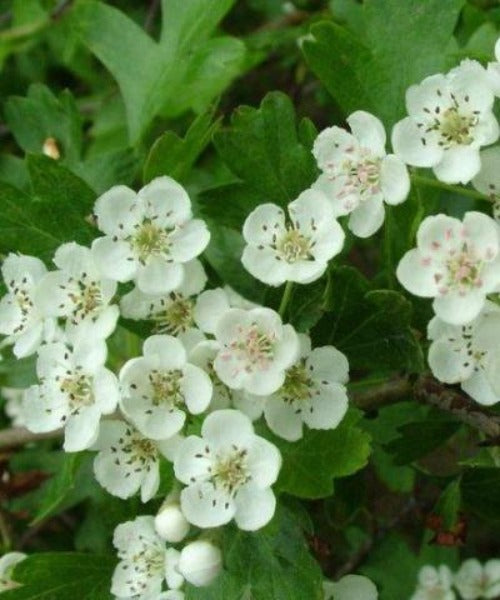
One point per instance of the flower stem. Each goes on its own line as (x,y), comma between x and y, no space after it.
(285,298)
(456,189)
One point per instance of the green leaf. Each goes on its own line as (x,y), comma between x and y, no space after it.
(262,148)
(53,214)
(448,505)
(311,464)
(184,71)
(270,564)
(63,575)
(175,156)
(372,327)
(364,71)
(481,491)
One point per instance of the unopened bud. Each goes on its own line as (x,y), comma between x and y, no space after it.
(51,149)
(200,562)
(170,524)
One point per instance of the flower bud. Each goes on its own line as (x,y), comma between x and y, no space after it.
(200,563)
(170,524)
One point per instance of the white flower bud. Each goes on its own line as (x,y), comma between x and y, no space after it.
(200,563)
(170,524)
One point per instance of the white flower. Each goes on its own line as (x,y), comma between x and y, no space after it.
(350,587)
(14,398)
(313,393)
(493,71)
(297,250)
(7,563)
(149,235)
(78,291)
(467,354)
(200,562)
(255,350)
(173,312)
(20,316)
(203,355)
(450,118)
(487,181)
(434,584)
(475,581)
(145,562)
(358,175)
(228,472)
(159,387)
(127,461)
(75,390)
(456,263)
(170,522)
(211,305)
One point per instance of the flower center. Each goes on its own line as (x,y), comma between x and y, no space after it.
(150,240)
(230,471)
(166,388)
(78,388)
(298,384)
(86,298)
(464,270)
(255,348)
(140,449)
(294,246)
(175,317)
(455,128)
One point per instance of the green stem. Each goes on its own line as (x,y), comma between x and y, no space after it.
(285,298)
(456,189)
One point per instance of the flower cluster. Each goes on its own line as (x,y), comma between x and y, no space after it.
(472,581)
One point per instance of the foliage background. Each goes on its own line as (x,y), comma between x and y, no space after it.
(227,97)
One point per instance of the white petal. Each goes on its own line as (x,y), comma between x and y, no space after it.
(168,349)
(492,572)
(438,234)
(487,181)
(115,259)
(249,404)
(159,276)
(416,275)
(189,240)
(224,428)
(75,260)
(11,315)
(283,419)
(354,587)
(311,212)
(264,382)
(210,307)
(194,280)
(459,164)
(81,431)
(482,231)
(367,218)
(327,407)
(369,131)
(106,391)
(394,180)
(18,266)
(479,388)
(287,350)
(331,145)
(265,265)
(254,507)
(172,574)
(229,325)
(28,342)
(328,364)
(449,362)
(429,94)
(205,506)
(264,462)
(117,211)
(112,477)
(166,202)
(192,462)
(44,409)
(196,387)
(263,223)
(408,144)
(333,189)
(458,310)
(150,483)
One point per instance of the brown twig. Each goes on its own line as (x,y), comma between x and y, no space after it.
(19,436)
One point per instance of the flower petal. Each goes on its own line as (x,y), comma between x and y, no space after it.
(394,179)
(367,218)
(205,506)
(413,147)
(255,507)
(459,164)
(369,131)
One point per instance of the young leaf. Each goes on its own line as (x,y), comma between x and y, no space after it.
(63,575)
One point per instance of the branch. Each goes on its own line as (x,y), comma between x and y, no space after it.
(19,436)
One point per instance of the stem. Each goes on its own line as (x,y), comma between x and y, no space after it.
(456,189)
(285,298)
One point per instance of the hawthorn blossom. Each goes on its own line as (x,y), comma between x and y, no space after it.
(450,118)
(75,390)
(493,71)
(20,316)
(145,562)
(255,350)
(313,394)
(203,356)
(456,263)
(299,249)
(172,312)
(228,472)
(160,387)
(474,580)
(434,584)
(350,587)
(7,564)
(467,354)
(128,462)
(358,176)
(149,235)
(211,305)
(79,291)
